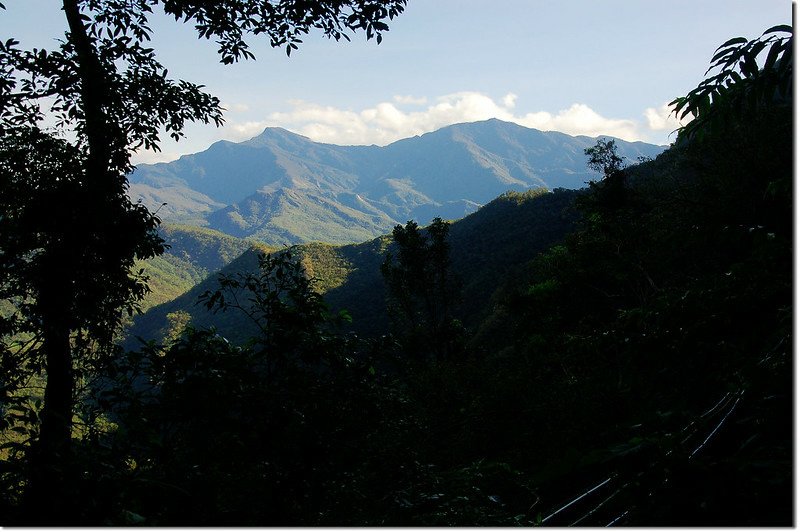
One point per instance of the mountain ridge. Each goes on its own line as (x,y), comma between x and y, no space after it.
(448,173)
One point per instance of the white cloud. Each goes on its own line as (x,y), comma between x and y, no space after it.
(662,118)
(579,119)
(238,131)
(509,100)
(410,100)
(152,157)
(236,107)
(385,122)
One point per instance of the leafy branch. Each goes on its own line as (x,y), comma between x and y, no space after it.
(739,83)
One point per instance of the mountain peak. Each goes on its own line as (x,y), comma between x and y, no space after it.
(369,187)
(276,135)
(276,131)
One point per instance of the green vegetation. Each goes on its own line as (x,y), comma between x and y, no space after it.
(192,254)
(616,355)
(423,292)
(484,247)
(70,234)
(289,217)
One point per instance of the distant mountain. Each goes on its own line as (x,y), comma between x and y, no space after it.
(286,216)
(485,246)
(282,188)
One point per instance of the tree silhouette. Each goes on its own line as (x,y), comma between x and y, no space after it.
(105,88)
(422,289)
(740,89)
(603,158)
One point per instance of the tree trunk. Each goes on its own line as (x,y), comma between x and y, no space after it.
(93,96)
(50,483)
(47,499)
(50,498)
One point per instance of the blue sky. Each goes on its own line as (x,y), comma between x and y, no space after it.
(578,66)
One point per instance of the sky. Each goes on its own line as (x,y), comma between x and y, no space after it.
(582,67)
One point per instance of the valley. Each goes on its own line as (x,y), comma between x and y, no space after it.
(486,245)
(282,189)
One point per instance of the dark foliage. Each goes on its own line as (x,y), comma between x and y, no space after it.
(636,373)
(66,281)
(423,291)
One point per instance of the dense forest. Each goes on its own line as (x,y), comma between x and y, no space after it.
(618,355)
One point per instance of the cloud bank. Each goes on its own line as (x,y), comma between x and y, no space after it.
(407,115)
(662,119)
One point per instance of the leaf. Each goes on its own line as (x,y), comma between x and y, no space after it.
(13,445)
(779,28)
(748,66)
(735,40)
(757,48)
(723,53)
(132,518)
(774,50)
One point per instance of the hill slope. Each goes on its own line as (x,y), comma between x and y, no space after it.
(507,232)
(193,254)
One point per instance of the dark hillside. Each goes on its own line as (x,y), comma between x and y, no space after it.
(660,333)
(502,236)
(155,323)
(485,245)
(618,355)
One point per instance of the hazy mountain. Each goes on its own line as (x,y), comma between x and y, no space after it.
(283,188)
(286,216)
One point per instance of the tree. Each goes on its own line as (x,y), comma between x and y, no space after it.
(105,88)
(603,158)
(66,276)
(281,301)
(741,129)
(268,433)
(610,192)
(740,89)
(422,289)
(680,297)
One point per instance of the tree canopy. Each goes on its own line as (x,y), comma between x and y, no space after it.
(104,89)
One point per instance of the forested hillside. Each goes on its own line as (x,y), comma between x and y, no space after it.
(193,254)
(619,355)
(496,239)
(615,355)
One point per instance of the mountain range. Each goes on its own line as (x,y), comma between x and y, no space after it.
(282,188)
